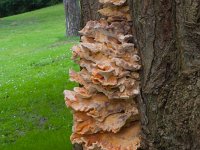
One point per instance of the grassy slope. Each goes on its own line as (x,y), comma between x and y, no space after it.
(34,64)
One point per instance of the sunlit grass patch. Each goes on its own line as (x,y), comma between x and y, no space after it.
(34,63)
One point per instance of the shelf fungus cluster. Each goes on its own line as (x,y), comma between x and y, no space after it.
(105,112)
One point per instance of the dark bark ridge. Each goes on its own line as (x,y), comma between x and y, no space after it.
(167,32)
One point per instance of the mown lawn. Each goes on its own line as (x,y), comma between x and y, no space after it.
(34,63)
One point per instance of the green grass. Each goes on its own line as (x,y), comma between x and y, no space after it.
(34,63)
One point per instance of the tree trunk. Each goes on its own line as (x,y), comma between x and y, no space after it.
(167,33)
(89,11)
(72,14)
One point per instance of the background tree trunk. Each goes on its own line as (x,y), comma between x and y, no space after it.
(72,13)
(167,32)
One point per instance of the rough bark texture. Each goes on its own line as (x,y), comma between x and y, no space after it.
(167,32)
(72,13)
(89,11)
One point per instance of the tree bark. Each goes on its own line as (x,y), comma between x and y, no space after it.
(72,14)
(89,10)
(167,32)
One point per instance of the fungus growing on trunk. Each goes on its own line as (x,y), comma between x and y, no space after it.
(105,111)
(126,139)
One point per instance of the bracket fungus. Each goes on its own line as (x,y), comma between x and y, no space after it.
(105,111)
(126,139)
(99,106)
